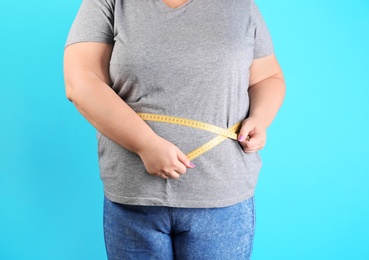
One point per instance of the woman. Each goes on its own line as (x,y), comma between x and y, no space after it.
(206,60)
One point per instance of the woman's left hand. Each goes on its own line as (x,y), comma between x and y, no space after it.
(252,135)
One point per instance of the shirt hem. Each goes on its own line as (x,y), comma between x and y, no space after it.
(140,201)
(89,39)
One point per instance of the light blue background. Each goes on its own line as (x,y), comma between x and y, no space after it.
(313,191)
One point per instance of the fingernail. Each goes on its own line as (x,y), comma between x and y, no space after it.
(241,138)
(192,165)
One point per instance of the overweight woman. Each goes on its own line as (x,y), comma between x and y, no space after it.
(181,93)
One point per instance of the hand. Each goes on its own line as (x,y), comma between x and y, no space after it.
(163,159)
(252,135)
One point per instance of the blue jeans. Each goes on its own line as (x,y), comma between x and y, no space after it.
(155,232)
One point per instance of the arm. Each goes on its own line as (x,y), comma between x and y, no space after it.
(87,86)
(266,92)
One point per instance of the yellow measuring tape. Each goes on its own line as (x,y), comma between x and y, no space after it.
(223,134)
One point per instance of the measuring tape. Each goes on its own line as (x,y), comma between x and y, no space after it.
(223,134)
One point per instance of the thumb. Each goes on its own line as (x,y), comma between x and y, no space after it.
(183,159)
(245,131)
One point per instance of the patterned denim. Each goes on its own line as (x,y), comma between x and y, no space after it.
(155,232)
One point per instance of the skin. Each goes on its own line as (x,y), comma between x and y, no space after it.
(266,91)
(174,3)
(88,83)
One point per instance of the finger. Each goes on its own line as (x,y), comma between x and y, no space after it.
(256,147)
(253,149)
(168,173)
(244,133)
(253,142)
(174,175)
(250,143)
(180,168)
(183,159)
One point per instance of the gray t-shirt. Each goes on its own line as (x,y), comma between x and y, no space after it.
(191,62)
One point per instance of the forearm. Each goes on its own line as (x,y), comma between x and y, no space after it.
(266,98)
(87,80)
(109,114)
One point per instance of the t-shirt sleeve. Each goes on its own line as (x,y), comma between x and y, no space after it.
(263,45)
(94,23)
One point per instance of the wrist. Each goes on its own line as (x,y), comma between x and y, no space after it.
(260,119)
(144,141)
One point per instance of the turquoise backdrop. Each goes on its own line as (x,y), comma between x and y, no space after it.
(313,191)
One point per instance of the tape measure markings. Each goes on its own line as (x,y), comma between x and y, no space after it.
(223,134)
(211,144)
(189,122)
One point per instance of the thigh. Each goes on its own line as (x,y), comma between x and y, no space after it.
(219,233)
(136,232)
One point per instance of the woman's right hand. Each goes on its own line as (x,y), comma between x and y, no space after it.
(163,159)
